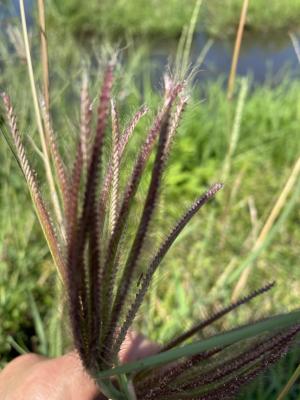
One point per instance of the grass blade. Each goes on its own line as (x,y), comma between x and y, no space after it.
(223,339)
(290,383)
(39,326)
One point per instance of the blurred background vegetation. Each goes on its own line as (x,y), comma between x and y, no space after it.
(252,143)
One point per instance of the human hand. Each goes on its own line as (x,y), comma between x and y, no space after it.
(34,377)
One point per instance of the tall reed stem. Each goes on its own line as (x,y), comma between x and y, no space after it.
(237,48)
(46,158)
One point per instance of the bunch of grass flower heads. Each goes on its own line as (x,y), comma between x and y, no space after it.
(88,225)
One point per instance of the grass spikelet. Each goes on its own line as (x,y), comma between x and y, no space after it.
(60,171)
(115,164)
(43,214)
(85,122)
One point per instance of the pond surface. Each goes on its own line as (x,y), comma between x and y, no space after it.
(265,57)
(9,8)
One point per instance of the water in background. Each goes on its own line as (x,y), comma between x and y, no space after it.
(10,8)
(265,57)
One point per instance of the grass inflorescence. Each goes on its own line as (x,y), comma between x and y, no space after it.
(101,266)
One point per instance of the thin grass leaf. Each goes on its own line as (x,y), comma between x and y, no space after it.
(19,348)
(245,359)
(236,128)
(285,391)
(39,326)
(220,340)
(189,38)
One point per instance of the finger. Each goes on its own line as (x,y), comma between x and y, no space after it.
(135,347)
(15,372)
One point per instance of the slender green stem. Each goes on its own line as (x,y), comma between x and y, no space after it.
(108,389)
(189,37)
(46,158)
(290,383)
(235,131)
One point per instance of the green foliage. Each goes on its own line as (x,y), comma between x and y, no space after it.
(267,135)
(221,17)
(152,17)
(24,265)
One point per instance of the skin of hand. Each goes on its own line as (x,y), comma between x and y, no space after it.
(34,377)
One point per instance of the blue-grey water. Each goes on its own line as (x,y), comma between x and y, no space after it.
(10,8)
(264,56)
